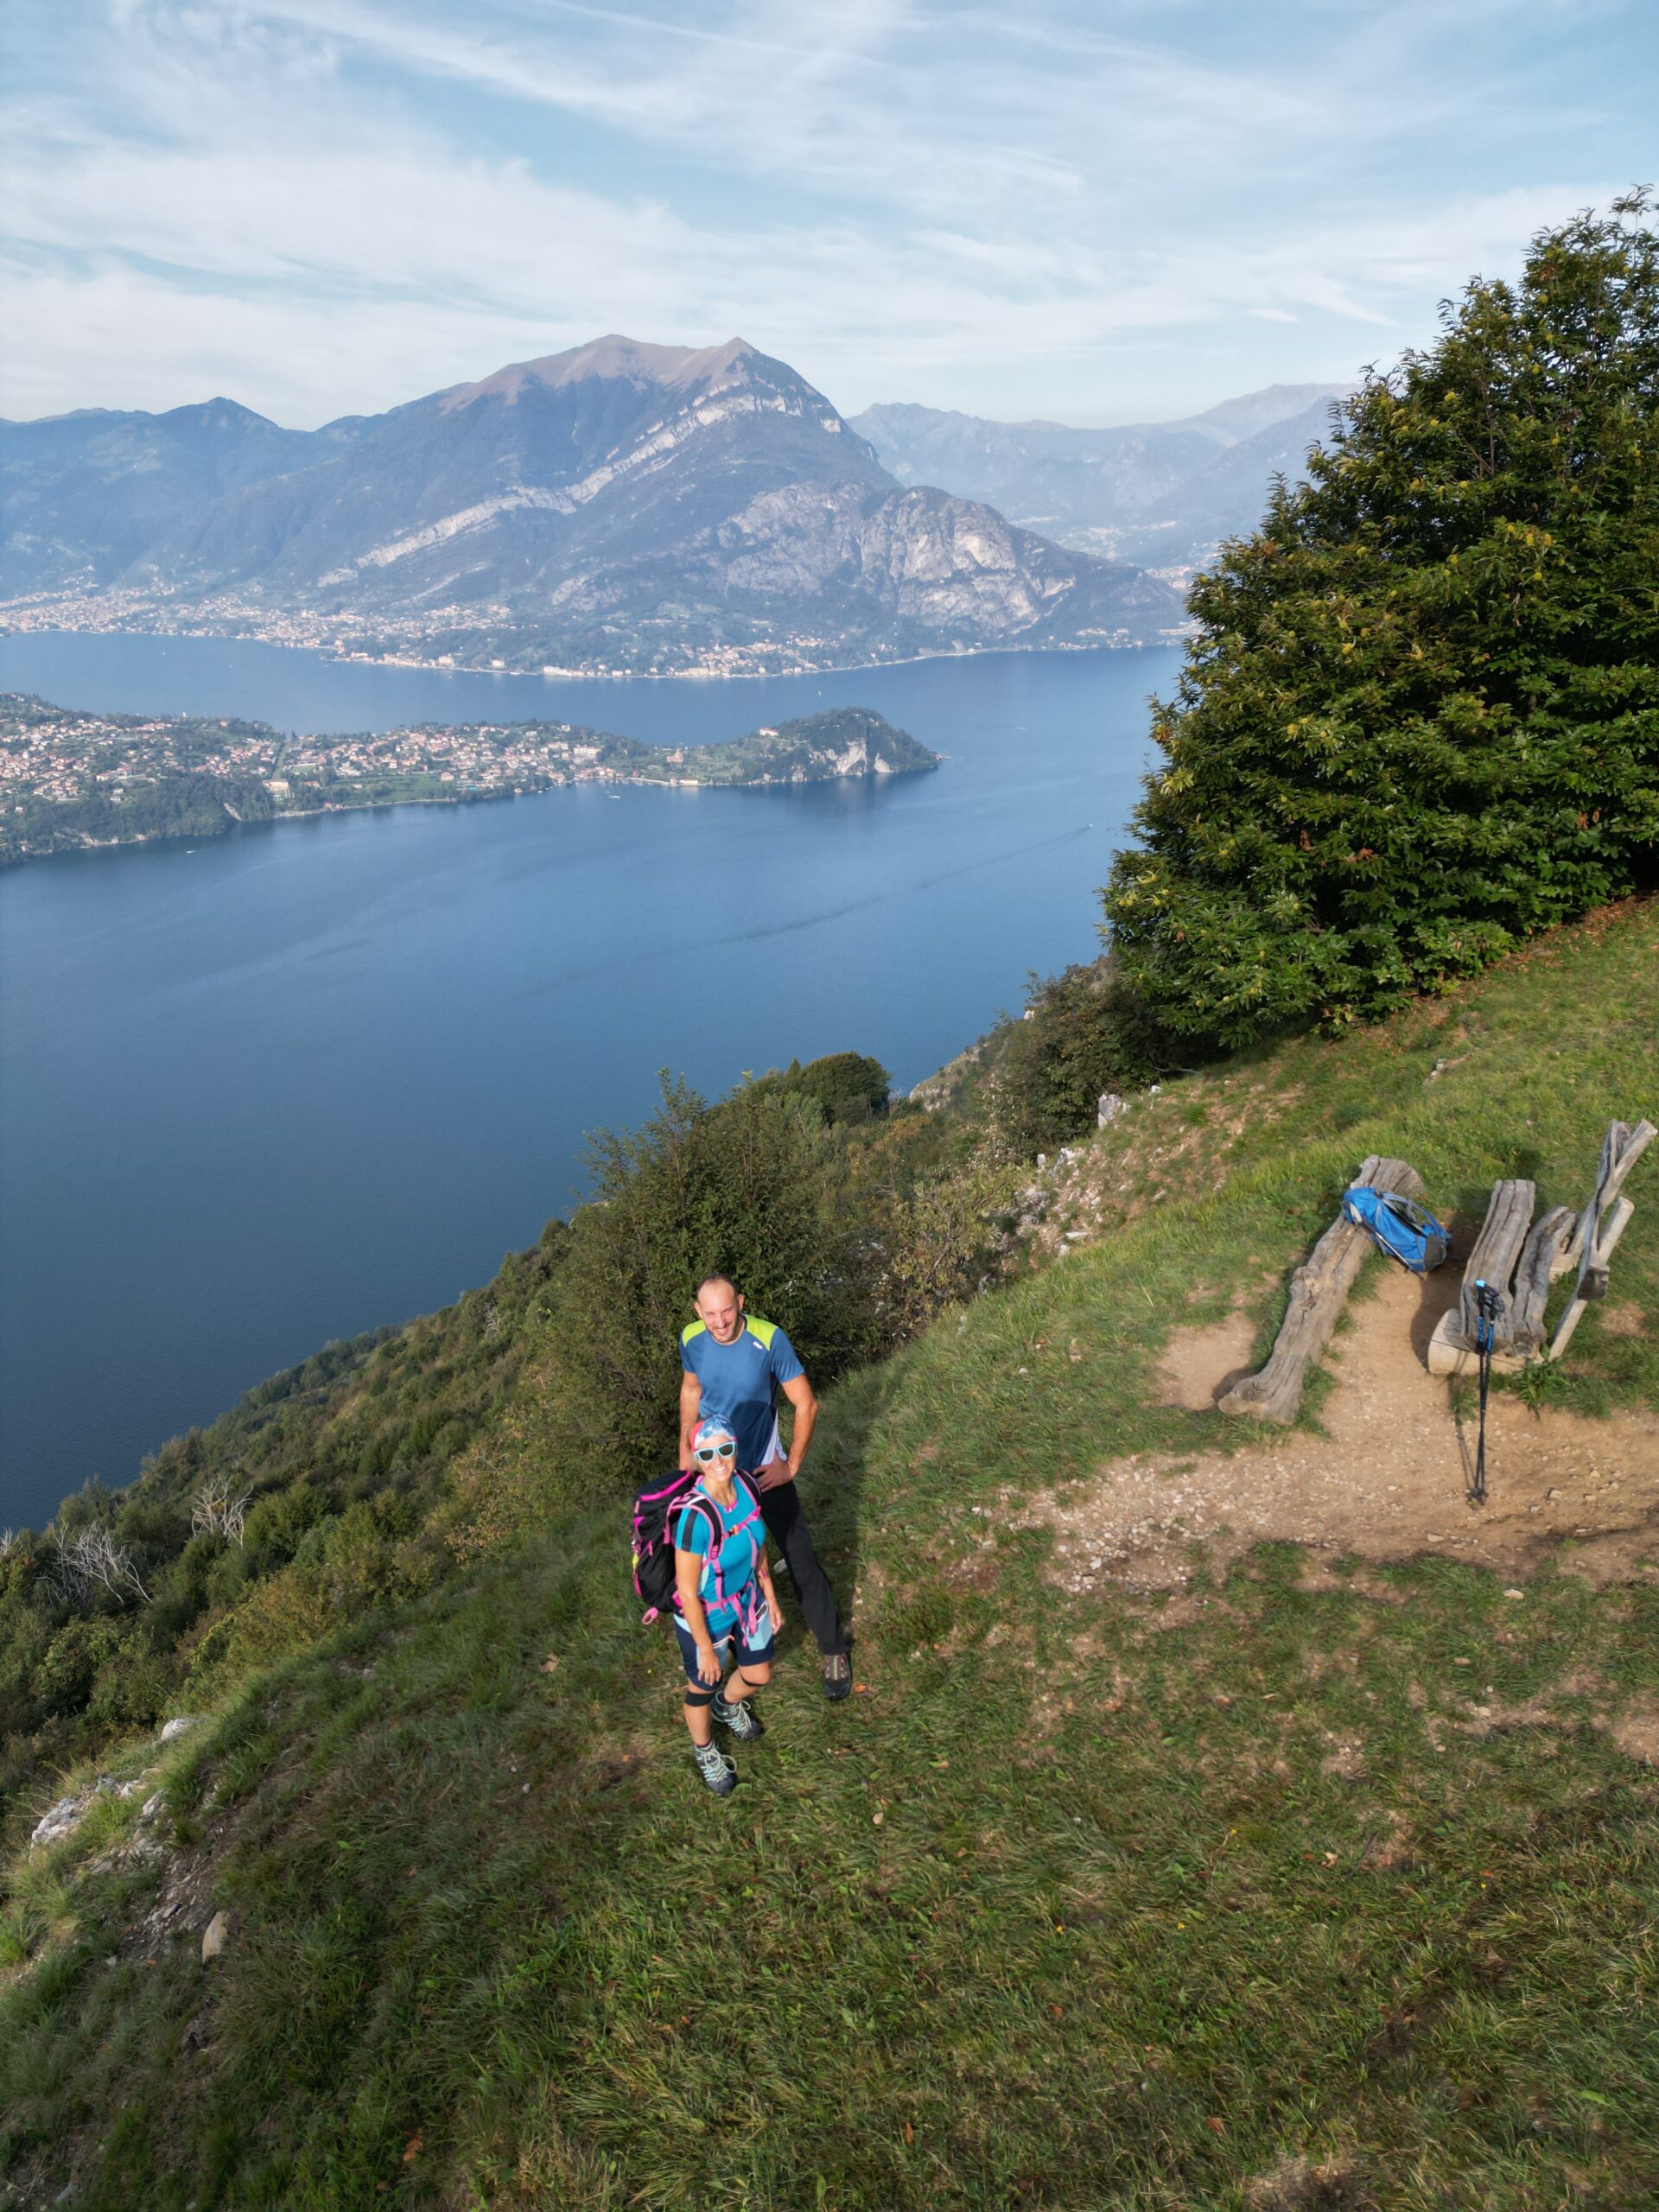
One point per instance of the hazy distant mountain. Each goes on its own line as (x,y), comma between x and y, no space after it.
(622,505)
(1226,497)
(86,495)
(1051,476)
(1161,495)
(1235,420)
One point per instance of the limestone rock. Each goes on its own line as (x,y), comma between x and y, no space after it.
(65,1817)
(215,1936)
(56,1822)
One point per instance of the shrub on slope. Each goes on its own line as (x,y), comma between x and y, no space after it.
(1420,717)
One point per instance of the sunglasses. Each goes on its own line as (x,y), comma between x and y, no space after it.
(709,1453)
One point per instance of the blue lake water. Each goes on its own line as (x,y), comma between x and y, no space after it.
(292,1083)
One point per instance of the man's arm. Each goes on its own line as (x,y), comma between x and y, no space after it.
(690,1406)
(799,1394)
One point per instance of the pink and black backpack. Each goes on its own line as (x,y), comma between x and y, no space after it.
(655,1511)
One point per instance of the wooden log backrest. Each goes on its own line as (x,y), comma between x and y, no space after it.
(1621,1148)
(1545,1254)
(1496,1255)
(1601,1225)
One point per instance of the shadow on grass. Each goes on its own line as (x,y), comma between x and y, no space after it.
(832,1487)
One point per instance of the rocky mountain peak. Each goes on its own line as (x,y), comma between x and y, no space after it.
(621,504)
(613,358)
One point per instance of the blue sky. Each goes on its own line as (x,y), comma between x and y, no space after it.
(1099,213)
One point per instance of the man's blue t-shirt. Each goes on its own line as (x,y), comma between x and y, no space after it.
(739,1383)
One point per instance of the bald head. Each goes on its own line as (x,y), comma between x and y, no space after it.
(719,1308)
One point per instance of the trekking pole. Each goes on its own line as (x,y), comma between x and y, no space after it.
(1489,1305)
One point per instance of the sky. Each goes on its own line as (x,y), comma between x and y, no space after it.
(1096,214)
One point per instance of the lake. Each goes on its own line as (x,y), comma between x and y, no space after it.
(295,1083)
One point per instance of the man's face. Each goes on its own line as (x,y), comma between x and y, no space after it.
(720,1309)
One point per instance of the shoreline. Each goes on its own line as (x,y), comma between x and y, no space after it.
(698,673)
(614,785)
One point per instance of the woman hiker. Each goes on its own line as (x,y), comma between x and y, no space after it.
(725,1603)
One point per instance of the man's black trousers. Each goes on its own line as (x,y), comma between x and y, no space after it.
(781,1509)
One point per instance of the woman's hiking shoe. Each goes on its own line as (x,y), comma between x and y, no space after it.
(837,1676)
(718,1772)
(741,1718)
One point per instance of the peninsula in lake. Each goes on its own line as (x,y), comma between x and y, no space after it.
(71,781)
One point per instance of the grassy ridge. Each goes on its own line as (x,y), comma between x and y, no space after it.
(1067,1907)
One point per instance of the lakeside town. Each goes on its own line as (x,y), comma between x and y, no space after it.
(488,638)
(438,637)
(74,780)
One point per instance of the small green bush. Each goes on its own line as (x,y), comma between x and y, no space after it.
(756,1186)
(74,1657)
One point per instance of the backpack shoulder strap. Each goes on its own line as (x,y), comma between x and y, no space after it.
(746,1489)
(694,1501)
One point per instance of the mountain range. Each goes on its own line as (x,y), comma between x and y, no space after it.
(620,506)
(1159,494)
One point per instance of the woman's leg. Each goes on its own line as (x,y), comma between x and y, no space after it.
(753,1675)
(699,1695)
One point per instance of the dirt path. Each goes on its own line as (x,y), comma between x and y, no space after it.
(1386,1480)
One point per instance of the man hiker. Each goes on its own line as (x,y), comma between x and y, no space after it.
(735,1364)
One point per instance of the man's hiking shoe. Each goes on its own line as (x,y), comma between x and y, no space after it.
(837,1676)
(741,1718)
(718,1772)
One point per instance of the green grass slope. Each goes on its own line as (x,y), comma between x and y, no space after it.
(1070,1906)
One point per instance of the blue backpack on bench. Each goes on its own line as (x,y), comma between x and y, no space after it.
(1398,1226)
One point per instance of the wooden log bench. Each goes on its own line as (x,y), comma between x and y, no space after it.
(1496,1255)
(1558,1242)
(1318,1290)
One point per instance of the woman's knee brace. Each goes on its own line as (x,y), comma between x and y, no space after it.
(699,1695)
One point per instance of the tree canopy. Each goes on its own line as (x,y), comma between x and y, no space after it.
(1419,717)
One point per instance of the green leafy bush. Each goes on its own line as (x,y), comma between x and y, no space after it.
(1420,716)
(940,1238)
(847,1087)
(756,1186)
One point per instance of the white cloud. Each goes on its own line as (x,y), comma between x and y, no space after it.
(278,201)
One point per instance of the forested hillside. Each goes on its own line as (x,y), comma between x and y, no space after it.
(363,1475)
